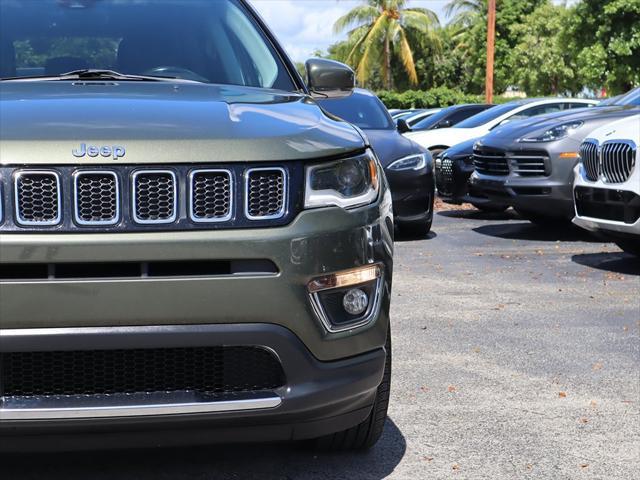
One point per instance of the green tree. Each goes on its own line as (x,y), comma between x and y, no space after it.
(542,62)
(378,32)
(607,41)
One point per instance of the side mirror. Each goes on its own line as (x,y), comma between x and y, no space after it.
(444,124)
(329,79)
(403,126)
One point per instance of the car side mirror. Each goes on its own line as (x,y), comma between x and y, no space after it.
(403,126)
(444,124)
(329,79)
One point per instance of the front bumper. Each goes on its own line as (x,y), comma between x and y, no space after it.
(330,377)
(603,207)
(318,398)
(550,195)
(412,193)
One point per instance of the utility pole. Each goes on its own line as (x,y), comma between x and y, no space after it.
(491,46)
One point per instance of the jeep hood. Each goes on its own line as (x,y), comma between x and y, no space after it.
(164,122)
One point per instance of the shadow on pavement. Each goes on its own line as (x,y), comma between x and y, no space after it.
(250,461)
(610,262)
(533,232)
(480,215)
(409,237)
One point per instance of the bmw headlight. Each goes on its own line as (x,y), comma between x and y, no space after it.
(347,183)
(555,133)
(412,162)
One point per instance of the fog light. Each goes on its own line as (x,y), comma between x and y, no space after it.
(355,301)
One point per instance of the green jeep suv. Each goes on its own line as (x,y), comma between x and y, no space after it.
(191,250)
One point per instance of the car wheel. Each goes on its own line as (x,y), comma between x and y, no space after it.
(490,207)
(629,246)
(366,434)
(543,220)
(423,227)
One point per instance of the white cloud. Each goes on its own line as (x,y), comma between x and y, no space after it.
(303,26)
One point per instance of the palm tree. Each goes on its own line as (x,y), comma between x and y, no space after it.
(379,30)
(464,12)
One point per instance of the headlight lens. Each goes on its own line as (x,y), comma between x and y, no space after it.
(412,162)
(555,133)
(348,183)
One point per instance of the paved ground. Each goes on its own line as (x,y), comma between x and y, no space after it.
(517,355)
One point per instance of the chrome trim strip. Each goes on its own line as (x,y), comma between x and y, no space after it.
(285,192)
(227,217)
(134,215)
(76,214)
(21,221)
(318,309)
(133,405)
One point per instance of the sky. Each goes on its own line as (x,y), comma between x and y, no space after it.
(304,26)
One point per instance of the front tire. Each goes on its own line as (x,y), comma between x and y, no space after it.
(366,434)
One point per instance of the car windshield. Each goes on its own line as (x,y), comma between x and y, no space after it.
(364,111)
(630,98)
(211,41)
(487,116)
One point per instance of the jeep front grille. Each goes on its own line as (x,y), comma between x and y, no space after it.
(618,161)
(590,159)
(37,198)
(211,196)
(209,370)
(136,198)
(97,198)
(154,196)
(265,193)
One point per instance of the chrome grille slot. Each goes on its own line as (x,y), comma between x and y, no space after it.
(37,198)
(97,198)
(211,195)
(528,166)
(265,194)
(154,196)
(618,159)
(590,159)
(491,164)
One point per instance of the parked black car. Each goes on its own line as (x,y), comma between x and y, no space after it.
(408,166)
(453,168)
(448,117)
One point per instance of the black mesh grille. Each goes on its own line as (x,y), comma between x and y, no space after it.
(155,194)
(38,197)
(590,160)
(266,193)
(213,370)
(444,175)
(211,195)
(97,197)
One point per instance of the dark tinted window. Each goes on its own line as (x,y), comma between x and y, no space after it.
(487,115)
(214,41)
(539,110)
(364,111)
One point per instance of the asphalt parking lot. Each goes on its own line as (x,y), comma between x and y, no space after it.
(516,355)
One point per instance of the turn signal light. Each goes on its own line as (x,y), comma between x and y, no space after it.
(346,278)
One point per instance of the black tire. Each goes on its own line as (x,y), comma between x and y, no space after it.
(629,246)
(544,221)
(366,434)
(490,207)
(423,227)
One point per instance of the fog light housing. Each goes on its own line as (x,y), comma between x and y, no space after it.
(355,301)
(348,299)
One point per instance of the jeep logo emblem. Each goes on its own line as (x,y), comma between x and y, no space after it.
(93,151)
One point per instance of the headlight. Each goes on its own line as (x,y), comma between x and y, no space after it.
(348,183)
(555,133)
(412,162)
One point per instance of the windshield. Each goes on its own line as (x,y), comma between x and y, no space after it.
(364,111)
(211,41)
(488,115)
(630,98)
